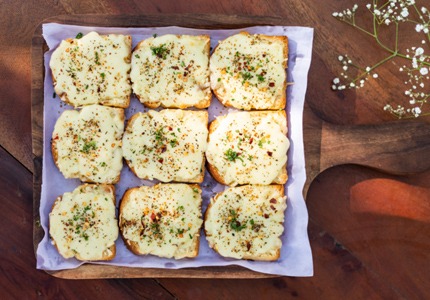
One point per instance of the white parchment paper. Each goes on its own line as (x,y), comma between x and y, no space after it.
(296,256)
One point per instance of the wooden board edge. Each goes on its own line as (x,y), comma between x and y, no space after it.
(209,21)
(37,81)
(93,271)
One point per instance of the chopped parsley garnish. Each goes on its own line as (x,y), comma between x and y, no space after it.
(232,155)
(79,35)
(234,223)
(88,146)
(246,76)
(154,35)
(96,54)
(137,56)
(260,78)
(159,136)
(160,51)
(173,143)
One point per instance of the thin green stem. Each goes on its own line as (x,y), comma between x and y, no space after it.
(364,74)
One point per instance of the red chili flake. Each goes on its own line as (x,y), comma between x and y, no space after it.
(266,216)
(248,245)
(185,74)
(163,149)
(272,84)
(272,207)
(269,153)
(160,160)
(175,68)
(251,140)
(170,128)
(153,216)
(273,200)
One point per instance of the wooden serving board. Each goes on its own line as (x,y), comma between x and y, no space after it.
(395,147)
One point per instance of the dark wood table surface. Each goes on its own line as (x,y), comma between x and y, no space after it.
(369,230)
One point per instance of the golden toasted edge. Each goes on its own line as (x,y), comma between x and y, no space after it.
(263,257)
(111,249)
(126,101)
(282,102)
(283,174)
(134,246)
(204,103)
(198,179)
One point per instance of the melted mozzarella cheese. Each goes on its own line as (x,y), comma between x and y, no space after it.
(168,145)
(88,143)
(93,69)
(246,222)
(83,223)
(172,70)
(249,147)
(163,220)
(248,72)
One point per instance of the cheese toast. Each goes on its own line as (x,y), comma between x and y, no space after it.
(83,223)
(163,220)
(249,71)
(93,69)
(246,222)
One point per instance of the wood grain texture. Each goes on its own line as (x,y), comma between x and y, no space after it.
(384,222)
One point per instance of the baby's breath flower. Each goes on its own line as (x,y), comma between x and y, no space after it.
(388,12)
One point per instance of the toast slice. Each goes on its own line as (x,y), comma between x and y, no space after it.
(163,220)
(172,71)
(248,71)
(86,144)
(168,145)
(246,222)
(83,223)
(248,148)
(93,69)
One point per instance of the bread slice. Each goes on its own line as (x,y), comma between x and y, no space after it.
(93,69)
(86,144)
(83,224)
(248,71)
(163,220)
(246,222)
(248,148)
(172,71)
(168,145)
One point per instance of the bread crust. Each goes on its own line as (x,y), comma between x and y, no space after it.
(273,256)
(198,179)
(282,177)
(134,246)
(203,103)
(279,103)
(110,252)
